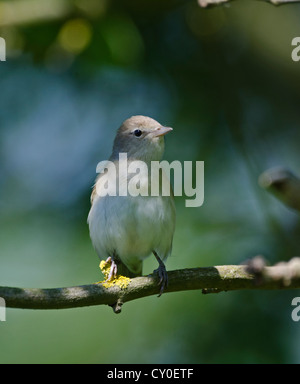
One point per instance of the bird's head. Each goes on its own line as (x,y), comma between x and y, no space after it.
(142,138)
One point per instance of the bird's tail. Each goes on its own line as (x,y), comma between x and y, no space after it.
(134,270)
(125,271)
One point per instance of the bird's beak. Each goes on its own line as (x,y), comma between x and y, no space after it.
(161,131)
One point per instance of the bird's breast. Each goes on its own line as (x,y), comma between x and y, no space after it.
(132,225)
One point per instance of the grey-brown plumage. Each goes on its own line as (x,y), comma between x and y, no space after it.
(127,229)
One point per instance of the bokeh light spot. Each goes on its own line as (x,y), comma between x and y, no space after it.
(75,35)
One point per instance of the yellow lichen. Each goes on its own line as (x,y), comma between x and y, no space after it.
(119,280)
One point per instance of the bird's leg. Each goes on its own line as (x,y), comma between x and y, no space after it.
(162,273)
(113,269)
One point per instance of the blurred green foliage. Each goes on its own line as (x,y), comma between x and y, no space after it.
(224,79)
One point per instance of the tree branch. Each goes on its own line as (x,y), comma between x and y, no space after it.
(284,185)
(211,3)
(22,12)
(209,279)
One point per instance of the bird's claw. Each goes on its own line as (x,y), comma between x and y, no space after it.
(113,269)
(163,277)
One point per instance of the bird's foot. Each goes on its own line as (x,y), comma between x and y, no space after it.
(113,269)
(162,274)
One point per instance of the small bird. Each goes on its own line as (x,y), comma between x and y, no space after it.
(126,229)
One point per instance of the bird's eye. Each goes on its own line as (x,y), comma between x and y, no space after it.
(137,133)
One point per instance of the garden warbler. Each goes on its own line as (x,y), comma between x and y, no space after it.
(125,229)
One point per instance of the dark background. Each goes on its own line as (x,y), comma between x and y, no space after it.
(224,79)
